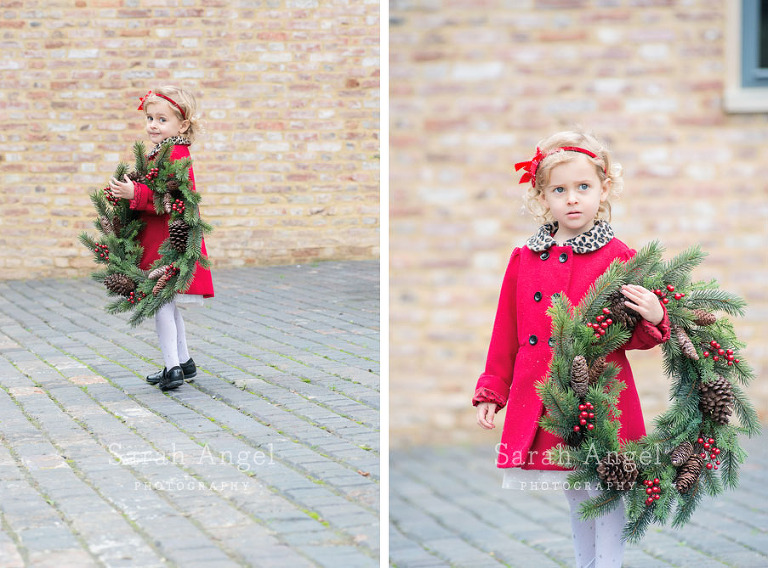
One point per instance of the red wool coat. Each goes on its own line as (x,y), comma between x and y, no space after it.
(155,230)
(520,350)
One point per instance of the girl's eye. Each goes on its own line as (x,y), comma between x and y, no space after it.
(162,120)
(559,190)
(584,186)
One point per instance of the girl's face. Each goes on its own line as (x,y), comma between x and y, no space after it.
(573,196)
(162,121)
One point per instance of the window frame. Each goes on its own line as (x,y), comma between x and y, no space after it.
(746,86)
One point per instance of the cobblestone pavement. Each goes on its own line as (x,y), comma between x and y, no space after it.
(269,458)
(447,508)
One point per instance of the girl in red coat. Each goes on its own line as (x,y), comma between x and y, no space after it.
(171,119)
(572,180)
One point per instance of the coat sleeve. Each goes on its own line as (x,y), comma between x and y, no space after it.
(646,335)
(494,384)
(143,199)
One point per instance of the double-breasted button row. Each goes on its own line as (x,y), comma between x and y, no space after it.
(562,258)
(533,340)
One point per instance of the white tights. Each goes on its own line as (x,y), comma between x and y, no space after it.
(597,542)
(172,335)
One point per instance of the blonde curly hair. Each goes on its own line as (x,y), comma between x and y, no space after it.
(185,100)
(605,166)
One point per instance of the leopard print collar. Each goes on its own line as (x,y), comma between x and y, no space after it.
(590,241)
(174,140)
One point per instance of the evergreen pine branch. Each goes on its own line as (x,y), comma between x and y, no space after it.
(121,171)
(746,412)
(716,300)
(677,269)
(686,505)
(597,295)
(599,505)
(711,482)
(140,158)
(645,263)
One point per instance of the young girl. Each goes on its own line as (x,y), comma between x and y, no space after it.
(572,180)
(171,119)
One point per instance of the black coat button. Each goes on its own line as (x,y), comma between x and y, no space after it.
(551,341)
(556,295)
(537,297)
(544,255)
(563,257)
(533,340)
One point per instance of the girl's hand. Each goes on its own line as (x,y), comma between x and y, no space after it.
(122,189)
(486,411)
(644,302)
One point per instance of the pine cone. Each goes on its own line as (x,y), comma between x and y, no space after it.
(618,471)
(179,232)
(106,226)
(717,400)
(688,474)
(119,284)
(167,203)
(580,376)
(598,367)
(621,313)
(681,454)
(162,282)
(686,345)
(135,176)
(158,272)
(172,185)
(703,317)
(117,226)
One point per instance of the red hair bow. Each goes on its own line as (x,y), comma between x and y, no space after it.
(530,167)
(144,98)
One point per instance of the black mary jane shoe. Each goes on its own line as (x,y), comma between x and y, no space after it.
(189,368)
(172,379)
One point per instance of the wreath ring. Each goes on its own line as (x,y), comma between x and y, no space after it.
(117,246)
(694,448)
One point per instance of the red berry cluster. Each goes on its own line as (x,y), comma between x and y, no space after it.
(601,323)
(152,174)
(135,298)
(110,197)
(587,414)
(718,352)
(102,251)
(662,294)
(708,445)
(178,206)
(653,490)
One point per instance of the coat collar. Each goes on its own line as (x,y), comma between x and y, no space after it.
(174,140)
(590,241)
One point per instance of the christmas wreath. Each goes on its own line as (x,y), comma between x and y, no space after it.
(117,247)
(694,449)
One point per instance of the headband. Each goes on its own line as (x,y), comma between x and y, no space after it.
(532,165)
(170,100)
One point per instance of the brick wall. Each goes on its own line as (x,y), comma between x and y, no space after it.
(288,89)
(474,86)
